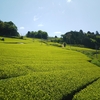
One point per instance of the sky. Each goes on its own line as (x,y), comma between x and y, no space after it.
(56,17)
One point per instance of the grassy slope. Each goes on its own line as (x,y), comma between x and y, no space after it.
(91,53)
(35,71)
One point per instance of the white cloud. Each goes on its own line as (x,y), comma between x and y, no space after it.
(35,18)
(22,28)
(69,0)
(40,25)
(58,32)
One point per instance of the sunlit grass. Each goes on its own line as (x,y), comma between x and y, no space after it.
(37,71)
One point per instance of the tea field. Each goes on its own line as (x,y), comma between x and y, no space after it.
(93,89)
(33,70)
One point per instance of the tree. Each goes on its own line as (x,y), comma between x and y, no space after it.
(97,33)
(81,31)
(2,39)
(40,34)
(44,35)
(64,44)
(28,34)
(1,27)
(55,36)
(8,29)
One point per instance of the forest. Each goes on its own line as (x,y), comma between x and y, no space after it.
(89,39)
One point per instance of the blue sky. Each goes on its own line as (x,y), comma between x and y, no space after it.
(53,16)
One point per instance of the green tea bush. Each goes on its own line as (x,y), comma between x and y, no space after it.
(39,72)
(91,92)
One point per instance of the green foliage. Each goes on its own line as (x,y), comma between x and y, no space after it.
(96,61)
(57,40)
(88,39)
(92,92)
(94,55)
(55,44)
(3,39)
(40,34)
(40,72)
(21,37)
(64,44)
(8,29)
(91,53)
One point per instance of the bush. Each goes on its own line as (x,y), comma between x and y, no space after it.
(2,39)
(22,37)
(96,62)
(64,44)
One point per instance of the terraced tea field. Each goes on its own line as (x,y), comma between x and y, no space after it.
(31,70)
(93,89)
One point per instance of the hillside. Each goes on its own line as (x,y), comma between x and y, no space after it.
(33,70)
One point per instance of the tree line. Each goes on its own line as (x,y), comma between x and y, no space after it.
(86,39)
(8,29)
(37,34)
(89,39)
